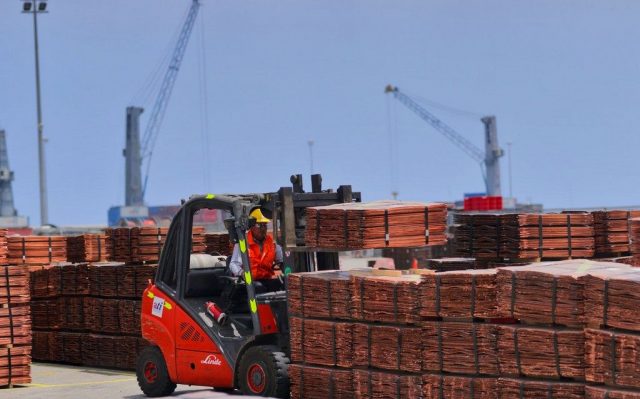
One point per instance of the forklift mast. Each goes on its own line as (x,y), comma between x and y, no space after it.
(288,209)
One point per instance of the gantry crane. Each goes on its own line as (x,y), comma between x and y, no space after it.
(136,151)
(489,161)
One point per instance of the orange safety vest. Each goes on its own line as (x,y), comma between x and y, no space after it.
(261,261)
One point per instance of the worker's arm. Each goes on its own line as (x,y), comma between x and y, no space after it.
(279,258)
(236,261)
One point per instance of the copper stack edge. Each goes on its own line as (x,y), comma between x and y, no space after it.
(612,231)
(36,250)
(89,314)
(87,248)
(452,264)
(143,245)
(15,326)
(217,244)
(634,226)
(517,237)
(377,224)
(147,243)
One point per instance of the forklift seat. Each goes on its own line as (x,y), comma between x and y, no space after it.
(204,282)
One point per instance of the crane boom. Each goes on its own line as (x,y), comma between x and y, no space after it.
(139,150)
(488,161)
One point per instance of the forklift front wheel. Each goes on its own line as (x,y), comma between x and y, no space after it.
(151,370)
(263,371)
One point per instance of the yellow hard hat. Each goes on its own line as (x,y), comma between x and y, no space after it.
(258,216)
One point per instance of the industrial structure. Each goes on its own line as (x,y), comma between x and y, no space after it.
(489,160)
(8,214)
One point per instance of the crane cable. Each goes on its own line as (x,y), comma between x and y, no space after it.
(204,105)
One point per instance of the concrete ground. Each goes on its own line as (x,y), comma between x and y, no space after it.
(55,381)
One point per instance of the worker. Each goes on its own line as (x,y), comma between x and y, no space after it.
(265,255)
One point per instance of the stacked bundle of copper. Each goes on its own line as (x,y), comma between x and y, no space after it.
(440,386)
(143,245)
(516,237)
(87,248)
(634,233)
(376,225)
(335,335)
(89,313)
(36,250)
(120,244)
(198,241)
(15,326)
(217,244)
(601,392)
(147,243)
(4,249)
(612,230)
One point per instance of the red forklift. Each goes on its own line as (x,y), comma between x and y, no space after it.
(248,349)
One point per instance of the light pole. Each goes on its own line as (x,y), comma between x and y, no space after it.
(311,142)
(35,7)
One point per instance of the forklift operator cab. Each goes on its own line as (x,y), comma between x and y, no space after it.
(249,349)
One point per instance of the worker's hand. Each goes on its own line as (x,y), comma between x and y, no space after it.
(277,273)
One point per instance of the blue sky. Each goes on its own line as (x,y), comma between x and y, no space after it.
(563,79)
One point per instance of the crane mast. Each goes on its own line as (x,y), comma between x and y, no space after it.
(139,150)
(489,161)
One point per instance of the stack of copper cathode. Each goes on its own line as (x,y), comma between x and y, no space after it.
(336,333)
(89,313)
(612,231)
(87,248)
(36,250)
(376,225)
(634,233)
(15,326)
(522,236)
(147,243)
(452,264)
(217,244)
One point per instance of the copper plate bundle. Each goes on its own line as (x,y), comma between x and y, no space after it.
(612,358)
(15,365)
(464,348)
(477,235)
(376,225)
(43,284)
(119,244)
(545,293)
(217,244)
(386,347)
(36,250)
(107,351)
(71,313)
(323,343)
(198,244)
(386,299)
(129,316)
(104,278)
(87,248)
(509,388)
(613,297)
(102,315)
(468,293)
(541,352)
(147,243)
(42,345)
(612,231)
(66,347)
(451,264)
(321,295)
(609,393)
(4,250)
(634,234)
(45,314)
(440,386)
(369,384)
(132,280)
(312,382)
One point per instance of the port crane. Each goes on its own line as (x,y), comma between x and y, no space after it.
(489,160)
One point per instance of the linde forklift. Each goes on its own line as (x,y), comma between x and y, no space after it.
(247,349)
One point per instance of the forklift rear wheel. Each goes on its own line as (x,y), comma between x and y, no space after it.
(263,371)
(151,370)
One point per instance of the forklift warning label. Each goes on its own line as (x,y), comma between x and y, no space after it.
(158,306)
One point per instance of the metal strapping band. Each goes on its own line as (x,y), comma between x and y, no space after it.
(329,301)
(498,236)
(569,234)
(6,277)
(370,385)
(99,247)
(437,295)
(473,295)
(426,225)
(556,352)
(441,388)
(24,251)
(317,227)
(398,388)
(521,386)
(554,299)
(399,349)
(440,354)
(61,280)
(550,391)
(471,241)
(50,249)
(334,344)
(395,302)
(302,369)
(304,360)
(386,227)
(513,292)
(605,303)
(472,387)
(346,229)
(476,362)
(517,350)
(302,295)
(10,366)
(369,328)
(362,298)
(331,383)
(540,237)
(613,358)
(628,231)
